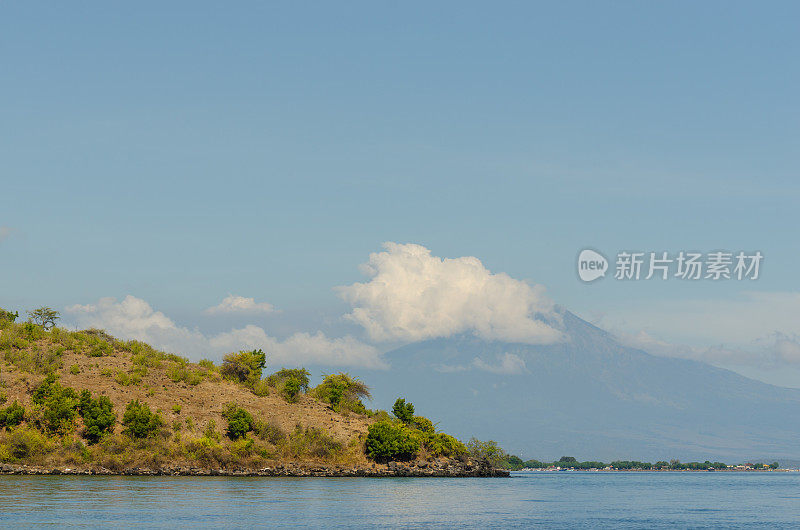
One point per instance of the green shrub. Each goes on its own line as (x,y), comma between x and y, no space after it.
(25,443)
(98,416)
(269,431)
(312,442)
(180,372)
(261,388)
(56,406)
(12,415)
(208,364)
(20,348)
(139,421)
(74,369)
(176,409)
(240,422)
(441,444)
(291,389)
(423,424)
(210,431)
(244,367)
(126,379)
(387,441)
(8,316)
(403,411)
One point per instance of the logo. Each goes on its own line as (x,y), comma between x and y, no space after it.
(591,265)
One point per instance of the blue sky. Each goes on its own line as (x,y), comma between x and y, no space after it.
(180,153)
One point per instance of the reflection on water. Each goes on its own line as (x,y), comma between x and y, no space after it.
(618,500)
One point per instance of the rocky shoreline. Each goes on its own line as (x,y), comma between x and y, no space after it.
(445,468)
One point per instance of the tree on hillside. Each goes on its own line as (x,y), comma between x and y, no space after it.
(403,411)
(343,391)
(44,316)
(244,367)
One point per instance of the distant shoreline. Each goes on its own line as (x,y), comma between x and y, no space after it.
(597,470)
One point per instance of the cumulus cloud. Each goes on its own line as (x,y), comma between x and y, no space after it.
(413,295)
(240,304)
(134,318)
(5,231)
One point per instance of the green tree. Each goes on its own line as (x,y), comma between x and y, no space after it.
(56,406)
(44,316)
(279,378)
(12,415)
(98,416)
(403,411)
(386,441)
(139,421)
(488,451)
(342,391)
(240,422)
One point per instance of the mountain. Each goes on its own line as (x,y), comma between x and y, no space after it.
(593,398)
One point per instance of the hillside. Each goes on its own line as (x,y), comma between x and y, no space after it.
(196,417)
(593,397)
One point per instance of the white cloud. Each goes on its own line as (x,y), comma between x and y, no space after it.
(5,231)
(415,296)
(134,318)
(508,364)
(240,304)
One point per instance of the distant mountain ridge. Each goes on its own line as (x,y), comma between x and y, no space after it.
(592,397)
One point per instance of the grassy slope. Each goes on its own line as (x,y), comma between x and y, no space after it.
(100,361)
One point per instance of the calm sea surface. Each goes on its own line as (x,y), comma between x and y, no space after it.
(567,499)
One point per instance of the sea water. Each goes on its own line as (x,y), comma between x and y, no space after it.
(525,500)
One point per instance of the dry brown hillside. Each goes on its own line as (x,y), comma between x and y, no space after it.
(190,397)
(202,402)
(87,400)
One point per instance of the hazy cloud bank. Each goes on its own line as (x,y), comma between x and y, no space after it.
(134,318)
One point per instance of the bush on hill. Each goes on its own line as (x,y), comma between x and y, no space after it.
(12,415)
(244,367)
(98,416)
(56,406)
(240,422)
(139,421)
(388,441)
